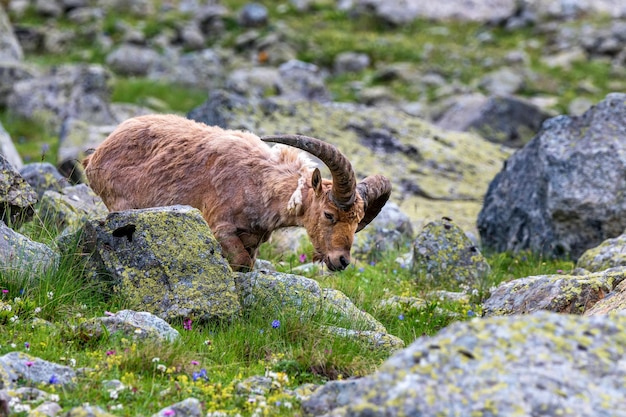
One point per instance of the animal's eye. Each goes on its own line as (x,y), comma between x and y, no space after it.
(329,216)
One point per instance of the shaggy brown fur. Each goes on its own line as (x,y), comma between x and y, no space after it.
(244,189)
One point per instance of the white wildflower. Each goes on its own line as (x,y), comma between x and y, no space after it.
(161,367)
(50,295)
(156,359)
(72,362)
(17,300)
(21,408)
(37,310)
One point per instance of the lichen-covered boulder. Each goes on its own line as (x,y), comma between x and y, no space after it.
(132,324)
(70,207)
(608,254)
(544,364)
(16,196)
(558,293)
(43,176)
(443,254)
(614,302)
(165,261)
(563,192)
(22,255)
(279,293)
(19,365)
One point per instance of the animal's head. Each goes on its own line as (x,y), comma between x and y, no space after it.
(338,208)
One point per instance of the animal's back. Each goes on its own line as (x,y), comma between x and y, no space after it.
(160,160)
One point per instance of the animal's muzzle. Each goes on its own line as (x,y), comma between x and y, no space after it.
(339,264)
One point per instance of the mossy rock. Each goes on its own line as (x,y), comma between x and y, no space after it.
(164,261)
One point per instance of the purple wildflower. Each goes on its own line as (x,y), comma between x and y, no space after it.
(202,374)
(27,345)
(187,324)
(169,412)
(302,258)
(53,380)
(110,352)
(29,363)
(275,324)
(401,317)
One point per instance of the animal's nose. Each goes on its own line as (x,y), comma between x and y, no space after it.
(344,261)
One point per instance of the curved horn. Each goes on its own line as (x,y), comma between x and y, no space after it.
(344,180)
(375,191)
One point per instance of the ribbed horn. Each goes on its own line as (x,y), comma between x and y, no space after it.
(344,180)
(375,191)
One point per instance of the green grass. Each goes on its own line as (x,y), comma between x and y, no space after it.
(294,353)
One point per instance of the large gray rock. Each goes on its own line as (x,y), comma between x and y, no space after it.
(71,207)
(608,254)
(16,196)
(8,150)
(277,293)
(572,294)
(43,176)
(78,91)
(444,255)
(129,59)
(131,324)
(22,255)
(562,193)
(165,261)
(199,69)
(12,72)
(10,49)
(19,365)
(506,120)
(544,364)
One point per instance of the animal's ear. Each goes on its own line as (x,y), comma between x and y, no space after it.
(316,181)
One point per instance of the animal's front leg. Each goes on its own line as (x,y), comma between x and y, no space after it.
(235,252)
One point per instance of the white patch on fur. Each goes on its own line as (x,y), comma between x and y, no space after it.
(294,206)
